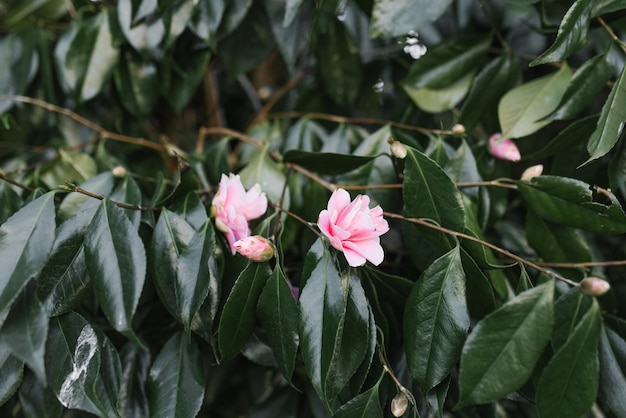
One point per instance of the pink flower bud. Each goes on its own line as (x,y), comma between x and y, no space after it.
(504,149)
(458,129)
(119,171)
(399,404)
(398,150)
(532,171)
(256,248)
(594,286)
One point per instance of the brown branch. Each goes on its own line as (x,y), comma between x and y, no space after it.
(262,115)
(582,265)
(15,183)
(217,130)
(493,183)
(612,34)
(74,188)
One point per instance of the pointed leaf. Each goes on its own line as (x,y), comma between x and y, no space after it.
(611,122)
(74,203)
(38,401)
(440,100)
(501,351)
(392,18)
(12,372)
(176,381)
(556,243)
(522,109)
(559,392)
(127,191)
(366,405)
(25,242)
(238,315)
(572,34)
(436,321)
(192,209)
(278,312)
(11,201)
(612,357)
(480,296)
(135,363)
(326,162)
(116,261)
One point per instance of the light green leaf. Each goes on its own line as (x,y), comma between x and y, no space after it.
(440,100)
(12,372)
(145,36)
(502,350)
(392,18)
(522,109)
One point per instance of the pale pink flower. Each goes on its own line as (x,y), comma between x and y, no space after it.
(256,248)
(532,171)
(353,228)
(504,149)
(233,207)
(594,286)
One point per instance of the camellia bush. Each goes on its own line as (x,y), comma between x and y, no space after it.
(312,208)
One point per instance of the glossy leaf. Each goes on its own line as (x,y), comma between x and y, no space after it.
(262,170)
(135,363)
(192,209)
(566,201)
(293,37)
(278,313)
(186,72)
(611,122)
(74,167)
(568,311)
(127,191)
(176,380)
(145,36)
(26,239)
(38,401)
(20,63)
(238,315)
(572,34)
(439,100)
(116,261)
(522,109)
(74,203)
(326,162)
(206,20)
(559,392)
(612,358)
(436,321)
(366,405)
(392,18)
(192,273)
(12,372)
(11,202)
(556,243)
(25,332)
(502,350)
(480,295)
(137,83)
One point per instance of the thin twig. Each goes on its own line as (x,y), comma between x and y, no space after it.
(74,188)
(493,183)
(15,183)
(582,265)
(297,218)
(612,34)
(262,115)
(217,130)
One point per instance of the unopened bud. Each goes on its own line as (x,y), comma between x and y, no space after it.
(458,129)
(532,171)
(594,286)
(398,150)
(399,404)
(119,171)
(504,149)
(256,248)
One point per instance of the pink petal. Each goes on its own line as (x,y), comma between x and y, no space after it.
(354,258)
(504,149)
(338,200)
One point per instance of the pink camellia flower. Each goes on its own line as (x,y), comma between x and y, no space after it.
(353,228)
(233,207)
(256,248)
(504,149)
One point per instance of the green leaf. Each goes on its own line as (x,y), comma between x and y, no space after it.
(268,174)
(480,296)
(612,358)
(26,239)
(559,392)
(38,401)
(572,34)
(135,371)
(568,311)
(238,315)
(556,243)
(326,162)
(192,273)
(145,36)
(192,209)
(436,321)
(74,352)
(206,20)
(440,100)
(74,167)
(116,261)
(447,63)
(586,83)
(20,11)
(566,201)
(86,56)
(19,56)
(12,372)
(292,38)
(25,331)
(176,380)
(489,85)
(611,122)
(522,109)
(137,83)
(392,18)
(11,201)
(278,313)
(502,350)
(74,203)
(366,405)
(339,62)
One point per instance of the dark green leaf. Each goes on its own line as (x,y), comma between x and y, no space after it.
(176,17)
(26,239)
(601,7)
(612,358)
(436,397)
(327,162)
(436,321)
(74,203)
(127,191)
(292,38)
(278,312)
(291,10)
(392,18)
(20,63)
(366,405)
(38,401)
(586,83)
(572,34)
(566,201)
(568,311)
(192,273)
(116,261)
(574,134)
(192,209)
(480,297)
(611,122)
(21,10)
(238,315)
(176,380)
(145,36)
(339,62)
(202,322)
(25,331)
(216,161)
(446,63)
(559,392)
(555,242)
(137,83)
(86,56)
(206,20)
(10,201)
(133,402)
(12,372)
(502,350)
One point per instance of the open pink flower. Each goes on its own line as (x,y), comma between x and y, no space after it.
(353,228)
(504,149)
(233,207)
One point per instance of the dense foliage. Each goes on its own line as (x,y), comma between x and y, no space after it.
(120,293)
